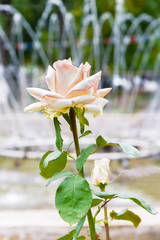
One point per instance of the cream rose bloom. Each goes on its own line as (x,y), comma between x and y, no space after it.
(69,86)
(100,173)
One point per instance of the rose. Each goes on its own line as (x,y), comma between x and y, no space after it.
(69,86)
(100,173)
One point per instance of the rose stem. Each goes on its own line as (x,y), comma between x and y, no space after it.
(106,225)
(106,222)
(77,147)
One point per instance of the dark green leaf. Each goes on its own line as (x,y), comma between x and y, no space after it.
(68,236)
(43,158)
(79,227)
(81,238)
(82,127)
(51,163)
(80,114)
(85,133)
(96,201)
(138,201)
(126,148)
(101,142)
(126,215)
(59,140)
(73,199)
(83,157)
(49,156)
(59,175)
(68,120)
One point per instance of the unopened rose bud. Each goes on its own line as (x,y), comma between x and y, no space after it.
(100,173)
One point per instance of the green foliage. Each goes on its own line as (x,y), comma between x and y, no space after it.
(101,142)
(79,227)
(68,236)
(59,175)
(59,140)
(115,179)
(96,201)
(82,135)
(86,133)
(81,159)
(81,238)
(138,201)
(126,215)
(51,163)
(82,119)
(73,199)
(68,120)
(126,148)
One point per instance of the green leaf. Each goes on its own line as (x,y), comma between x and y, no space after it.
(51,163)
(85,133)
(68,236)
(73,199)
(59,140)
(49,156)
(96,201)
(59,175)
(79,227)
(138,201)
(115,179)
(101,142)
(80,114)
(82,127)
(83,157)
(68,120)
(126,215)
(126,148)
(81,238)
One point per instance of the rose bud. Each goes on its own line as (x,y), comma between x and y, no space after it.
(100,173)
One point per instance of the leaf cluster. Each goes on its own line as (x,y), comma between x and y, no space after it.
(74,197)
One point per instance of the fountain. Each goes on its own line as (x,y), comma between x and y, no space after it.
(63,40)
(30,135)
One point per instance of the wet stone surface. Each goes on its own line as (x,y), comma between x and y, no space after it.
(117,233)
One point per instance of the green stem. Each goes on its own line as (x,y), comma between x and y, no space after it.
(106,224)
(74,131)
(91,225)
(77,147)
(75,136)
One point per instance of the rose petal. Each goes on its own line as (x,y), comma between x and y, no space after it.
(65,73)
(51,78)
(103,92)
(60,103)
(97,106)
(78,77)
(84,99)
(86,70)
(100,172)
(85,85)
(34,107)
(80,93)
(43,95)
(69,61)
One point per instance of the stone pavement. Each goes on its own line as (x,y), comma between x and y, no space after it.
(47,225)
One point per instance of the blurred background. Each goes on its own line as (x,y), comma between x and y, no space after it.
(121,38)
